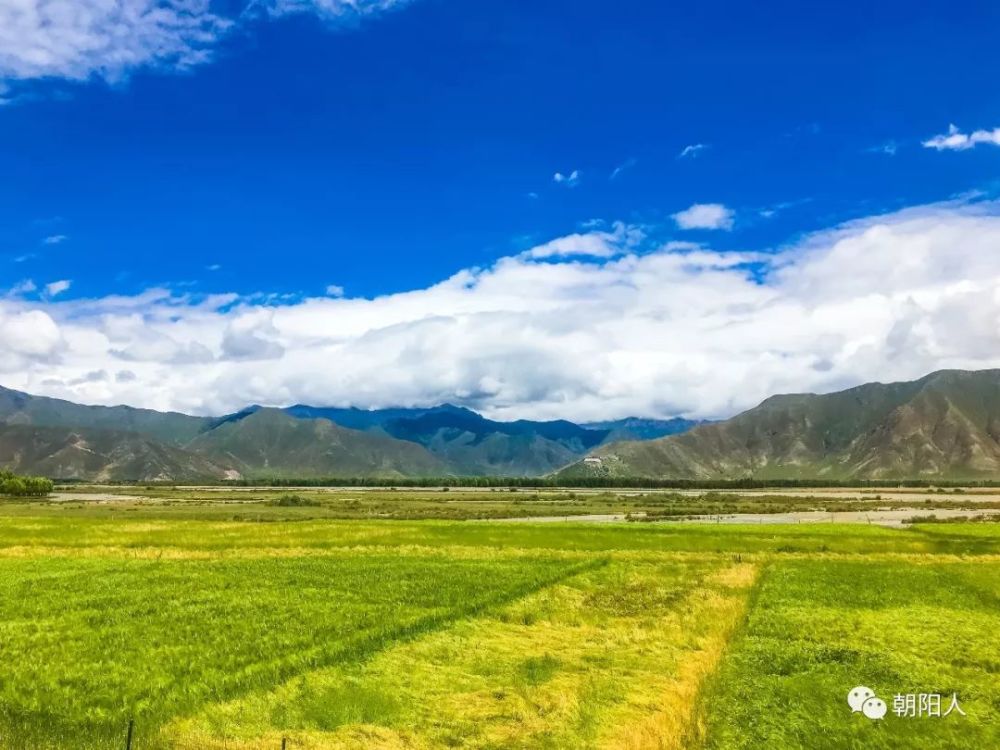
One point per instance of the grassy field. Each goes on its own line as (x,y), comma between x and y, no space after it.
(213,626)
(466,504)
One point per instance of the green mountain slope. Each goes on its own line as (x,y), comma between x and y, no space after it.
(269,442)
(100,456)
(469,443)
(945,425)
(475,446)
(41,411)
(439,440)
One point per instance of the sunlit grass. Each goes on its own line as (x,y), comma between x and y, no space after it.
(609,658)
(216,633)
(90,642)
(820,628)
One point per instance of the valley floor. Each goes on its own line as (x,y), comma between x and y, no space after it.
(253,622)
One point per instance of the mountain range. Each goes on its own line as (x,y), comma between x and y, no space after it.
(945,425)
(64,440)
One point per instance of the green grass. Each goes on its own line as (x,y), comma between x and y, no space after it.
(577,664)
(124,530)
(462,504)
(95,641)
(217,633)
(819,628)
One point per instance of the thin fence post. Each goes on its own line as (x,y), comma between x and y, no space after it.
(284,743)
(128,736)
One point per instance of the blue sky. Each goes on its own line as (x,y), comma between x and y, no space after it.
(385,154)
(291,150)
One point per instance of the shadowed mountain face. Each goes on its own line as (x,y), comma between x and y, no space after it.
(945,425)
(100,456)
(40,411)
(469,443)
(271,443)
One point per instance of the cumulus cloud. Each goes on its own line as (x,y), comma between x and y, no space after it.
(334,290)
(657,329)
(26,337)
(570,180)
(595,244)
(109,39)
(956,140)
(705,216)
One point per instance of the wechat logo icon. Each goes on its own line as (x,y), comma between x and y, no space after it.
(864,700)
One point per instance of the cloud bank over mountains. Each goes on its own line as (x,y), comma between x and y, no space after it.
(596,325)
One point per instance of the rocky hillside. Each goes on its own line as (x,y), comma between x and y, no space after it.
(101,456)
(944,425)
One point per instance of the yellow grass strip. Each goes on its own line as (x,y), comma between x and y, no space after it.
(662,714)
(612,658)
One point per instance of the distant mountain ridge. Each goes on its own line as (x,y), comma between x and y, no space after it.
(638,428)
(301,440)
(945,425)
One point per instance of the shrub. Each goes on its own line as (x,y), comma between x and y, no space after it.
(294,501)
(11,484)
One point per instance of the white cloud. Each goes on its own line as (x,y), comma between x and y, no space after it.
(25,286)
(333,290)
(769,212)
(109,39)
(691,151)
(28,335)
(57,287)
(889,148)
(335,10)
(104,38)
(627,164)
(647,329)
(252,336)
(955,140)
(594,244)
(55,239)
(570,180)
(705,216)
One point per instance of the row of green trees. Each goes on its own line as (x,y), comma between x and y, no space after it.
(598,482)
(12,484)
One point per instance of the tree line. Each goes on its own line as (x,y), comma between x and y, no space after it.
(17,486)
(581,483)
